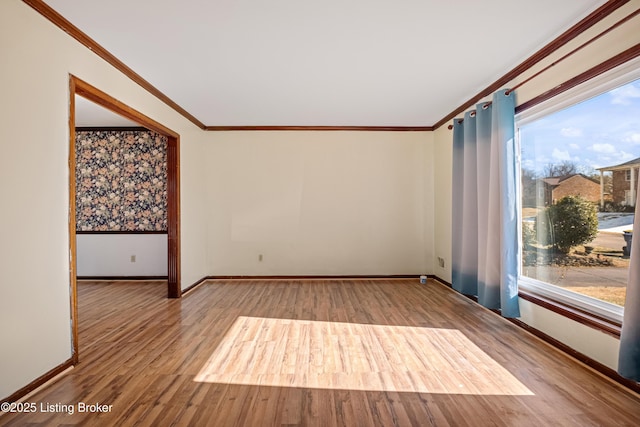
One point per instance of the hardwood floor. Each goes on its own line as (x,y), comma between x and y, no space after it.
(316,352)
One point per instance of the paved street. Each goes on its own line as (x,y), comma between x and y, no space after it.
(613,241)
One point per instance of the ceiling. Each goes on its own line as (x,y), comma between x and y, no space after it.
(322,63)
(90,114)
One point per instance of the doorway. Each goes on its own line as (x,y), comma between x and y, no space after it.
(80,88)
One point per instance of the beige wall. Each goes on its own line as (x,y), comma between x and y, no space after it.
(34,110)
(443,160)
(319,203)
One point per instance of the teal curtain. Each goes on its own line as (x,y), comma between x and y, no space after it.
(629,357)
(485,225)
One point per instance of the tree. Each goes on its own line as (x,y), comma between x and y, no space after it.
(561,169)
(568,167)
(570,222)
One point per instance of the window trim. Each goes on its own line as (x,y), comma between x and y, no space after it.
(599,84)
(588,310)
(592,306)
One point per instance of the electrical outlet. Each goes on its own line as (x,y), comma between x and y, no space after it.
(133,258)
(441,262)
(260,257)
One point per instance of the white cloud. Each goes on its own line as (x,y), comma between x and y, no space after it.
(603,148)
(571,132)
(615,159)
(625,94)
(626,156)
(594,164)
(560,155)
(574,146)
(633,138)
(529,164)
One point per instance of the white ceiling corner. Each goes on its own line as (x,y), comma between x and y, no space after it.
(90,114)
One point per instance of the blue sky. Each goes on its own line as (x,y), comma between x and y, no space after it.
(601,131)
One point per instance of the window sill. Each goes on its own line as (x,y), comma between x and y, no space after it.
(609,324)
(528,291)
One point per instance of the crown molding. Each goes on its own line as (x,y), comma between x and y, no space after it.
(611,63)
(322,128)
(589,21)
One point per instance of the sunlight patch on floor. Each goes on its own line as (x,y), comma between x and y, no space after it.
(334,355)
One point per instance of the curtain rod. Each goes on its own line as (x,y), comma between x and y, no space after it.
(562,58)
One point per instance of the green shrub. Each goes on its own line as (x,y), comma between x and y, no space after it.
(570,222)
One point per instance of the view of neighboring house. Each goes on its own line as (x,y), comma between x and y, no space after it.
(624,182)
(570,185)
(549,190)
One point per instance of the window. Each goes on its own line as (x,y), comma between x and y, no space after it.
(627,175)
(572,243)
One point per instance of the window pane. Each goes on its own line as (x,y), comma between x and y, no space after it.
(579,175)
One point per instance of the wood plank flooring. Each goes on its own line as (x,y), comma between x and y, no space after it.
(316,353)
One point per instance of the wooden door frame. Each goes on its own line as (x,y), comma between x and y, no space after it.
(87,91)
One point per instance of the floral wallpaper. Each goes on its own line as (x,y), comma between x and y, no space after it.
(121,181)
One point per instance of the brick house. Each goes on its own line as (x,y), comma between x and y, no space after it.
(555,188)
(624,182)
